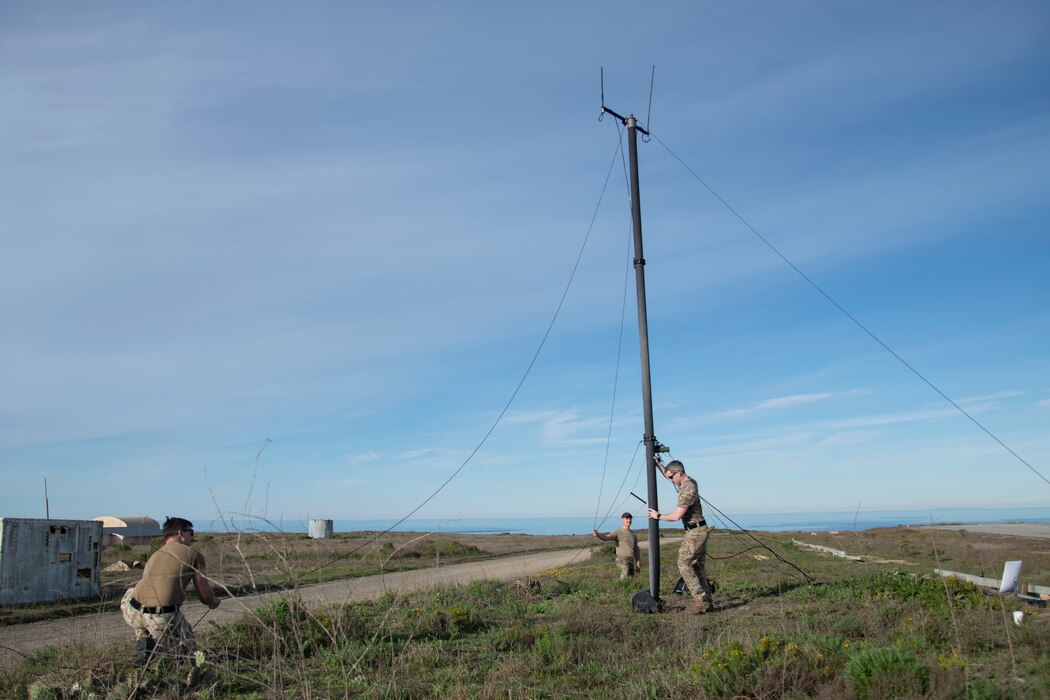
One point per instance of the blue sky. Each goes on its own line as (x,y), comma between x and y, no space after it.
(340,230)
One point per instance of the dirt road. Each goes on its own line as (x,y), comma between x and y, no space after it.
(1015,529)
(108,628)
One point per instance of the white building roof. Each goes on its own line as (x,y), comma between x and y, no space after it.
(130,525)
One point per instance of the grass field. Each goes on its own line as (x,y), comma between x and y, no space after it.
(263,561)
(872,629)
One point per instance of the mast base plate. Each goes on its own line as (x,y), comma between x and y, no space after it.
(644,602)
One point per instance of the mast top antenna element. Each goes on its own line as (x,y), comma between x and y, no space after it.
(630,121)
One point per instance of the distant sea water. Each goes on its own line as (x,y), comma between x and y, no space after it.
(769,522)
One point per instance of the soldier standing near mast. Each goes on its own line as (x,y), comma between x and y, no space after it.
(628,556)
(693,551)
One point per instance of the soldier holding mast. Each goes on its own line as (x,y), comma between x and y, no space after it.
(693,551)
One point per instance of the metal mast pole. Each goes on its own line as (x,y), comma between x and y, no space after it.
(649,438)
(643,342)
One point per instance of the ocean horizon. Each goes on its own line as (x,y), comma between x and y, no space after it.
(580,525)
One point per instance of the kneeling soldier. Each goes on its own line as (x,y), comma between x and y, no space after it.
(152,607)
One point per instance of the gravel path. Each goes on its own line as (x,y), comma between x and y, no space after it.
(109,628)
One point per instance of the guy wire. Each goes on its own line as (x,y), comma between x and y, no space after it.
(761,544)
(514,394)
(847,314)
(619,350)
(612,503)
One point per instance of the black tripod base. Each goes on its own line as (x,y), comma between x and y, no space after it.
(644,602)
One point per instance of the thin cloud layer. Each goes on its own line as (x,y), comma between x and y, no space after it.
(346,230)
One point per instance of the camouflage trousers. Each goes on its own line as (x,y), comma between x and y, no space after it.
(626,566)
(691,562)
(171,631)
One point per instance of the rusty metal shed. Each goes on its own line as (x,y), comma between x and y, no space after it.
(46,560)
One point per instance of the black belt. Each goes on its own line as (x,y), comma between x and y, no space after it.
(693,527)
(150,610)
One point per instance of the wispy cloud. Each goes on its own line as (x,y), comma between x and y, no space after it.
(792,440)
(1007,394)
(891,418)
(779,403)
(416,454)
(789,401)
(563,427)
(341,483)
(532,417)
(850,437)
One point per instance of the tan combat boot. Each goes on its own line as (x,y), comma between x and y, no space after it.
(699,606)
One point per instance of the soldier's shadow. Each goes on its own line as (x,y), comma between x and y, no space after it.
(680,598)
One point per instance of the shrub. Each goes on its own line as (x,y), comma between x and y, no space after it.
(885,672)
(607,551)
(554,649)
(931,593)
(732,669)
(283,628)
(435,622)
(486,589)
(451,548)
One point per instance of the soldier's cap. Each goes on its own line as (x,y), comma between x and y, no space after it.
(673,467)
(627,515)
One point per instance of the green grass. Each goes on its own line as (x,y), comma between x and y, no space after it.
(861,631)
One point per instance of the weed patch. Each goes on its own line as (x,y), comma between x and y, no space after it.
(886,672)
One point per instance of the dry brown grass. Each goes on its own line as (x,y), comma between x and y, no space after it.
(262,561)
(967,552)
(864,629)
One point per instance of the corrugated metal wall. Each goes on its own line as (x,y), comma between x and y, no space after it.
(45,560)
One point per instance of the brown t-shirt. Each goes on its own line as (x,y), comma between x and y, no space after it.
(689,498)
(626,543)
(167,574)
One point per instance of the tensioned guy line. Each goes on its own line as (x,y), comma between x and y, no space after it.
(619,354)
(513,394)
(846,313)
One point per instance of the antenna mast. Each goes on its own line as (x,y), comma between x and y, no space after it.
(651,445)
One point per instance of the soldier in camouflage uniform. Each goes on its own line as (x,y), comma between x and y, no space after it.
(628,556)
(694,545)
(152,607)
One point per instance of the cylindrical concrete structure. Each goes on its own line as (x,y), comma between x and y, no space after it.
(320,529)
